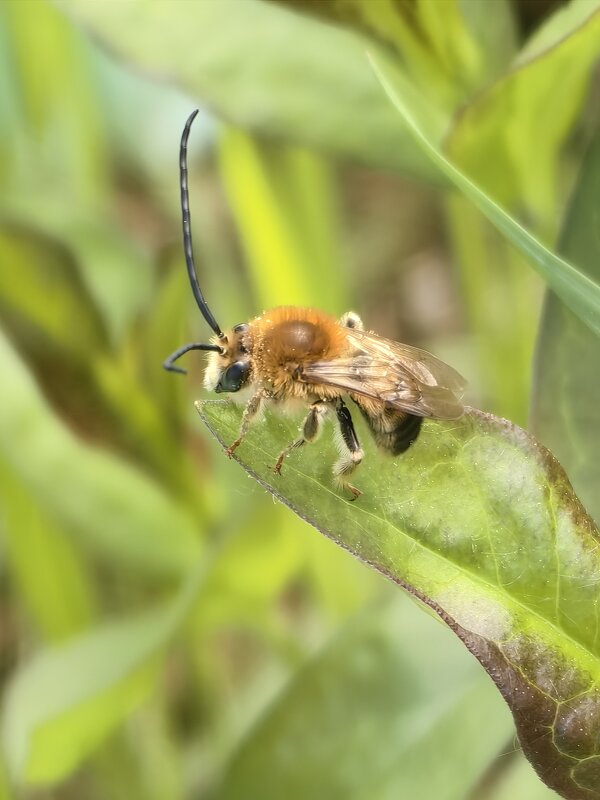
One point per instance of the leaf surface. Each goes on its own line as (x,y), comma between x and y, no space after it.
(577,290)
(368,716)
(509,137)
(66,700)
(567,387)
(480,522)
(262,68)
(89,490)
(44,298)
(447,48)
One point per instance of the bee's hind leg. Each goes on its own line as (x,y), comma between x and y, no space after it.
(311,429)
(351,451)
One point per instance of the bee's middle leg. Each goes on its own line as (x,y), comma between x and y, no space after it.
(311,429)
(351,451)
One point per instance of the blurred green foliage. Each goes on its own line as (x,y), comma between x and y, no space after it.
(154,606)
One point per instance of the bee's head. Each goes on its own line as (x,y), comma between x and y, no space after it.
(229,369)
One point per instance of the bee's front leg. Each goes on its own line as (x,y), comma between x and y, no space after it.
(251,410)
(351,451)
(311,429)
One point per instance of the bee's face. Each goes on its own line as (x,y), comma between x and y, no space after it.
(230,371)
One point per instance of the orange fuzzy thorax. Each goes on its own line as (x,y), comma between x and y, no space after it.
(286,338)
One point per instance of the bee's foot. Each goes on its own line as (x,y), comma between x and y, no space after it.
(229,451)
(356,493)
(278,464)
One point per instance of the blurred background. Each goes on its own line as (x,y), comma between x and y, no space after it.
(166,630)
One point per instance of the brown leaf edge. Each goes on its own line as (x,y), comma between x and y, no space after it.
(559,736)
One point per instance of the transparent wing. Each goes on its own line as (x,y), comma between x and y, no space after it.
(405,377)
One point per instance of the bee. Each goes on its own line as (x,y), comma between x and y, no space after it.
(293,355)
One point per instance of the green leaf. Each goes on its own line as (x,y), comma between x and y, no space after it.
(517,781)
(284,206)
(580,293)
(434,41)
(567,384)
(479,521)
(565,21)
(493,278)
(262,68)
(63,703)
(509,137)
(494,27)
(53,319)
(163,331)
(252,569)
(5,793)
(111,272)
(119,510)
(111,269)
(369,716)
(43,297)
(53,110)
(46,569)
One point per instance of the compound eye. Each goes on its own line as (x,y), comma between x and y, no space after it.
(234,377)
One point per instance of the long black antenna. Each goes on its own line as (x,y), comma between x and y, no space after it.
(187,230)
(169,363)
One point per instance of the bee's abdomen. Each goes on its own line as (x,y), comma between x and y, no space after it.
(405,434)
(393,430)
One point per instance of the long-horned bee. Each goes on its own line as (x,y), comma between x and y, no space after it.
(307,356)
